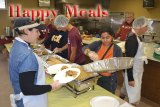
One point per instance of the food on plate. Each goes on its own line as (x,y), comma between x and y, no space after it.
(71,73)
(64,67)
(83,75)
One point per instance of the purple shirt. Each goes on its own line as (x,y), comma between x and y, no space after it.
(75,40)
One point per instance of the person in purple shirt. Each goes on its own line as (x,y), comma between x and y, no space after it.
(75,54)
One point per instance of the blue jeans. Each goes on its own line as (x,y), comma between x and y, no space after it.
(108,82)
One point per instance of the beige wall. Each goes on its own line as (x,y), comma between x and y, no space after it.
(136,6)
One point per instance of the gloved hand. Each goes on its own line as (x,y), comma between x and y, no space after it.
(56,85)
(93,56)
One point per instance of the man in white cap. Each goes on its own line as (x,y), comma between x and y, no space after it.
(134,48)
(26,71)
(75,54)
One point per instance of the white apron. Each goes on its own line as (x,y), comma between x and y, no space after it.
(35,100)
(134,93)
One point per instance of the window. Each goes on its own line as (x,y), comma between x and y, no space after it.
(2,4)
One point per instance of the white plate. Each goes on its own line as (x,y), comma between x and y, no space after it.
(104,101)
(56,68)
(62,78)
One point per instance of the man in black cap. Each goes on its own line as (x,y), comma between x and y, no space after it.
(26,71)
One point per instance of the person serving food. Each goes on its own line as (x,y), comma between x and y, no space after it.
(104,49)
(26,72)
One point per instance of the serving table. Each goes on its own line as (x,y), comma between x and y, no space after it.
(65,98)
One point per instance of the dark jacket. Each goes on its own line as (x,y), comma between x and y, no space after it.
(131,47)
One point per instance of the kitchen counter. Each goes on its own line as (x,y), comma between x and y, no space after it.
(148,49)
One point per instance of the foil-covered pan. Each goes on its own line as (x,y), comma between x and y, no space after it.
(109,65)
(54,58)
(46,57)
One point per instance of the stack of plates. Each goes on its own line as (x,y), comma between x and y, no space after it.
(104,101)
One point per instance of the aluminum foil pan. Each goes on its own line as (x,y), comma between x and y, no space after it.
(45,57)
(109,65)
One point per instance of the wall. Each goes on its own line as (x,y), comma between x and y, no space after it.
(136,6)
(83,3)
(4,17)
(115,6)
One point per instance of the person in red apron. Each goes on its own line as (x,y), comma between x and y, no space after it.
(125,27)
(134,48)
(104,49)
(26,71)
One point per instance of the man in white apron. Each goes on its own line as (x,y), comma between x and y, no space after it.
(26,71)
(134,48)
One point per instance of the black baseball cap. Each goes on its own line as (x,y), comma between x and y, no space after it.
(27,23)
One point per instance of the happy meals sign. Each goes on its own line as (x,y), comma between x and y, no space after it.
(71,11)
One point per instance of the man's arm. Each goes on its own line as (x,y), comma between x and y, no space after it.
(73,54)
(64,48)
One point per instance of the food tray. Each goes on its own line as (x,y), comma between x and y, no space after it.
(62,60)
(109,65)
